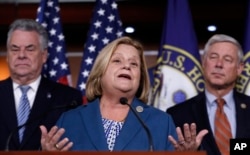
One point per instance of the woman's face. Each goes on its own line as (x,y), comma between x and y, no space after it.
(123,73)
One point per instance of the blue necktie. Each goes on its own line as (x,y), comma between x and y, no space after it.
(23,110)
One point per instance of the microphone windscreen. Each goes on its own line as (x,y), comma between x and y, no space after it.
(123,100)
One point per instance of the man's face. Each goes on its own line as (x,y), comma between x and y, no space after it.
(221,65)
(24,56)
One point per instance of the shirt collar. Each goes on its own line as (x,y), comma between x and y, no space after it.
(228,98)
(33,85)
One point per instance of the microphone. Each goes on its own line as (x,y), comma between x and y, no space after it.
(72,105)
(124,101)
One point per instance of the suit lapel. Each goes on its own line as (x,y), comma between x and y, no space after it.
(95,130)
(201,116)
(41,105)
(200,113)
(241,115)
(96,133)
(8,108)
(130,128)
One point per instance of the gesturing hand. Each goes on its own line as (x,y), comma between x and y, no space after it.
(190,140)
(50,140)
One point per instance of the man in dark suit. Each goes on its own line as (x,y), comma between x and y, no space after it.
(27,44)
(222,63)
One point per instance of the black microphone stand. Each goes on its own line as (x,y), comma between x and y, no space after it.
(124,101)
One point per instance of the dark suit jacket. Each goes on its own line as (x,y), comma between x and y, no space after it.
(83,126)
(50,96)
(194,110)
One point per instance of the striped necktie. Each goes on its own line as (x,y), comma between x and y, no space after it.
(23,110)
(222,128)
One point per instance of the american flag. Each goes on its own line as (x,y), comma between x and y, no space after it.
(105,27)
(57,66)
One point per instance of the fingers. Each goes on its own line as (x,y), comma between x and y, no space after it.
(187,133)
(63,145)
(173,142)
(193,131)
(50,141)
(200,136)
(197,138)
(43,136)
(180,135)
(43,131)
(188,140)
(179,145)
(55,134)
(67,147)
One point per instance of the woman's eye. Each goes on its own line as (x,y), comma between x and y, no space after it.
(134,64)
(116,60)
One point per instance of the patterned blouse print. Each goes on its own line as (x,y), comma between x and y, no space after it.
(112,129)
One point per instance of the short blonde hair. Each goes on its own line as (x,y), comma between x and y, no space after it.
(93,86)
